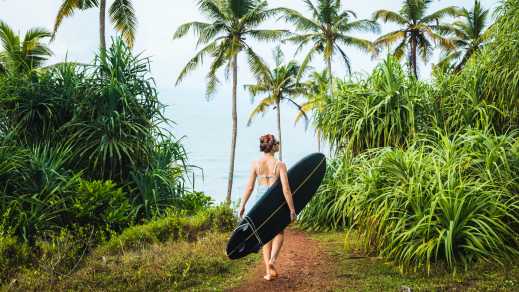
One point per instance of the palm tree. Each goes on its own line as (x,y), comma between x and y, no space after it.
(278,84)
(21,55)
(417,30)
(316,96)
(469,36)
(121,13)
(327,30)
(232,23)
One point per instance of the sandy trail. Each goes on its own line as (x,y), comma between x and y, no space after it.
(302,266)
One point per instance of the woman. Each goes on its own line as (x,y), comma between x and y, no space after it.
(267,169)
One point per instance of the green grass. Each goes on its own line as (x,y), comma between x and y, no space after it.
(357,272)
(170,266)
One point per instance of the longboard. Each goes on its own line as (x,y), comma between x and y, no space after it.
(271,215)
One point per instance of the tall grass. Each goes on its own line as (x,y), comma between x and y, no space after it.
(446,199)
(386,109)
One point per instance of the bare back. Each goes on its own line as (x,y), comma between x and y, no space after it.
(267,171)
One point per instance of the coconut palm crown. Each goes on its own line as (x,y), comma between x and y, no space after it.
(327,31)
(418,30)
(22,54)
(470,34)
(121,13)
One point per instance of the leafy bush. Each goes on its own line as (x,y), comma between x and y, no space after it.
(194,201)
(448,200)
(160,185)
(37,201)
(173,227)
(100,203)
(69,124)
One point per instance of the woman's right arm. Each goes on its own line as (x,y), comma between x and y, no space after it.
(248,189)
(287,192)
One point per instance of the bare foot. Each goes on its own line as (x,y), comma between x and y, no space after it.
(267,277)
(273,271)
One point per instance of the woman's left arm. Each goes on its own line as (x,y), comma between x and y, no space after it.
(248,189)
(287,192)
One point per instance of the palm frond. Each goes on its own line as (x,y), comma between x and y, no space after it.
(439,39)
(267,34)
(345,58)
(389,16)
(258,66)
(436,16)
(390,38)
(361,44)
(67,9)
(362,25)
(212,9)
(196,61)
(308,58)
(301,22)
(261,108)
(123,16)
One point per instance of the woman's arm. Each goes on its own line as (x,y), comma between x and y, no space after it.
(287,192)
(248,189)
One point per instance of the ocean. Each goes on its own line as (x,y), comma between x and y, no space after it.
(206,130)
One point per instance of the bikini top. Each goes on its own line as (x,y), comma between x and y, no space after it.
(268,177)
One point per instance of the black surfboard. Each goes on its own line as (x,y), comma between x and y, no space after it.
(271,215)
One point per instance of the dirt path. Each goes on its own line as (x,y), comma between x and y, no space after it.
(302,266)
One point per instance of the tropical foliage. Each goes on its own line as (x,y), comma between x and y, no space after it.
(22,54)
(85,146)
(443,200)
(425,172)
(383,110)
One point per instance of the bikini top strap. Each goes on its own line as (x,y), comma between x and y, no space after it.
(258,168)
(266,175)
(276,167)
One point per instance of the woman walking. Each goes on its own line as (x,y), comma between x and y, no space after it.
(264,172)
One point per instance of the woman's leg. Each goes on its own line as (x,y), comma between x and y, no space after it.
(267,248)
(277,243)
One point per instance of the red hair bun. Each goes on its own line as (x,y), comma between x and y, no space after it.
(267,143)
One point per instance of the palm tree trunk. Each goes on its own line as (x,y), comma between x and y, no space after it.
(102,25)
(318,140)
(234,127)
(413,56)
(330,77)
(330,93)
(279,131)
(463,61)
